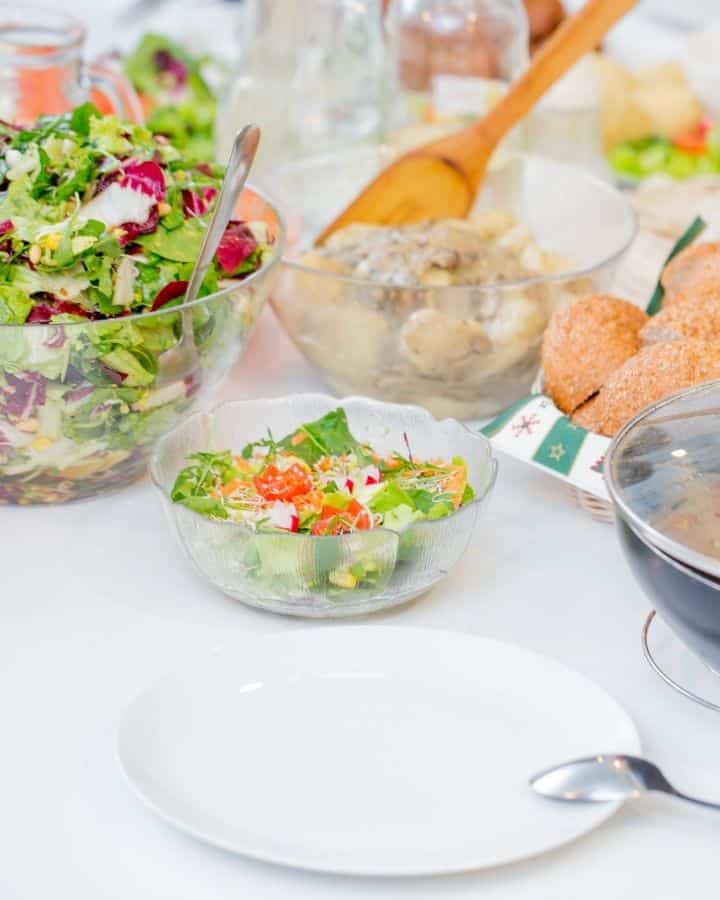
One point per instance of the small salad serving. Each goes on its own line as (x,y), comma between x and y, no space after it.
(337,511)
(320,480)
(690,153)
(100,226)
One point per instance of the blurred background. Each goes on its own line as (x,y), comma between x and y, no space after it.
(319,75)
(109,27)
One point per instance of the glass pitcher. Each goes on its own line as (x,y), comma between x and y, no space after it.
(42,69)
(450,60)
(310,73)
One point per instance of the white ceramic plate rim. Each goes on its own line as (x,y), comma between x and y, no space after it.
(306,860)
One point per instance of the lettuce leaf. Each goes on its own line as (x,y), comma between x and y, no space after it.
(328,436)
(15,305)
(25,350)
(198,479)
(179,245)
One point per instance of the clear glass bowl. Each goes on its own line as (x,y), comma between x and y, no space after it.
(69,430)
(358,332)
(295,573)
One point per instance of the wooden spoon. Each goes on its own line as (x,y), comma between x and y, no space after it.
(441,179)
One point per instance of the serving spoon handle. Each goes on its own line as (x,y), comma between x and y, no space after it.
(182,360)
(238,167)
(441,179)
(577,36)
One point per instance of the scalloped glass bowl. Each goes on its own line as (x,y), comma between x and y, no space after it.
(296,574)
(419,344)
(69,430)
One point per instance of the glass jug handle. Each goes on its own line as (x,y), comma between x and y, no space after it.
(110,82)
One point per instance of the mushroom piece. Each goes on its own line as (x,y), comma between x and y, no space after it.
(434,342)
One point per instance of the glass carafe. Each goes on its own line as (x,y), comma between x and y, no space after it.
(310,73)
(449,61)
(42,69)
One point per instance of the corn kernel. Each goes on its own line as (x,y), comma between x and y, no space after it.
(180,176)
(52,241)
(41,443)
(35,253)
(118,232)
(164,208)
(30,426)
(343,579)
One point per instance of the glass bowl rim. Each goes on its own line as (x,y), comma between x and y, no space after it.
(278,247)
(572,275)
(674,549)
(477,437)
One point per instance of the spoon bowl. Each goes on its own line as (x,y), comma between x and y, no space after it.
(604,778)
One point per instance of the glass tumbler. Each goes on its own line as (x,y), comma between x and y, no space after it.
(42,70)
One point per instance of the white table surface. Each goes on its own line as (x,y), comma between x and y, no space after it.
(96,601)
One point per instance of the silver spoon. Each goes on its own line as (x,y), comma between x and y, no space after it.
(181,360)
(599,779)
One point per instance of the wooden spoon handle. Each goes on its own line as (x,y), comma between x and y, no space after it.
(577,36)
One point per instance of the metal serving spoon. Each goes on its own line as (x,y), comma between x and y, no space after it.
(181,360)
(599,779)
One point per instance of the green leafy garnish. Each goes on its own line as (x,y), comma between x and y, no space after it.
(195,481)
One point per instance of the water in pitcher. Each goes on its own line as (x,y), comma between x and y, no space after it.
(42,70)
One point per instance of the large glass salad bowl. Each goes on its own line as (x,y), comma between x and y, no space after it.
(323,574)
(71,428)
(462,348)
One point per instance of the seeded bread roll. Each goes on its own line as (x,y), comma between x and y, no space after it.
(697,294)
(656,372)
(585,343)
(692,318)
(586,415)
(697,267)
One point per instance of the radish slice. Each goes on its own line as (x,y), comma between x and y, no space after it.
(284,516)
(144,178)
(371,475)
(117,205)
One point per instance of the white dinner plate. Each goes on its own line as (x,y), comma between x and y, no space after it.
(370,750)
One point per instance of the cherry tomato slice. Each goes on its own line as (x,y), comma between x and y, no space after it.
(694,140)
(272,484)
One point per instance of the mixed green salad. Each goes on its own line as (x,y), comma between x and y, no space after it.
(100,220)
(174,91)
(694,152)
(320,480)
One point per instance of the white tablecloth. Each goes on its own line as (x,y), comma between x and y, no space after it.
(96,601)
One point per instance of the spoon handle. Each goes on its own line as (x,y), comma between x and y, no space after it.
(241,159)
(577,36)
(706,803)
